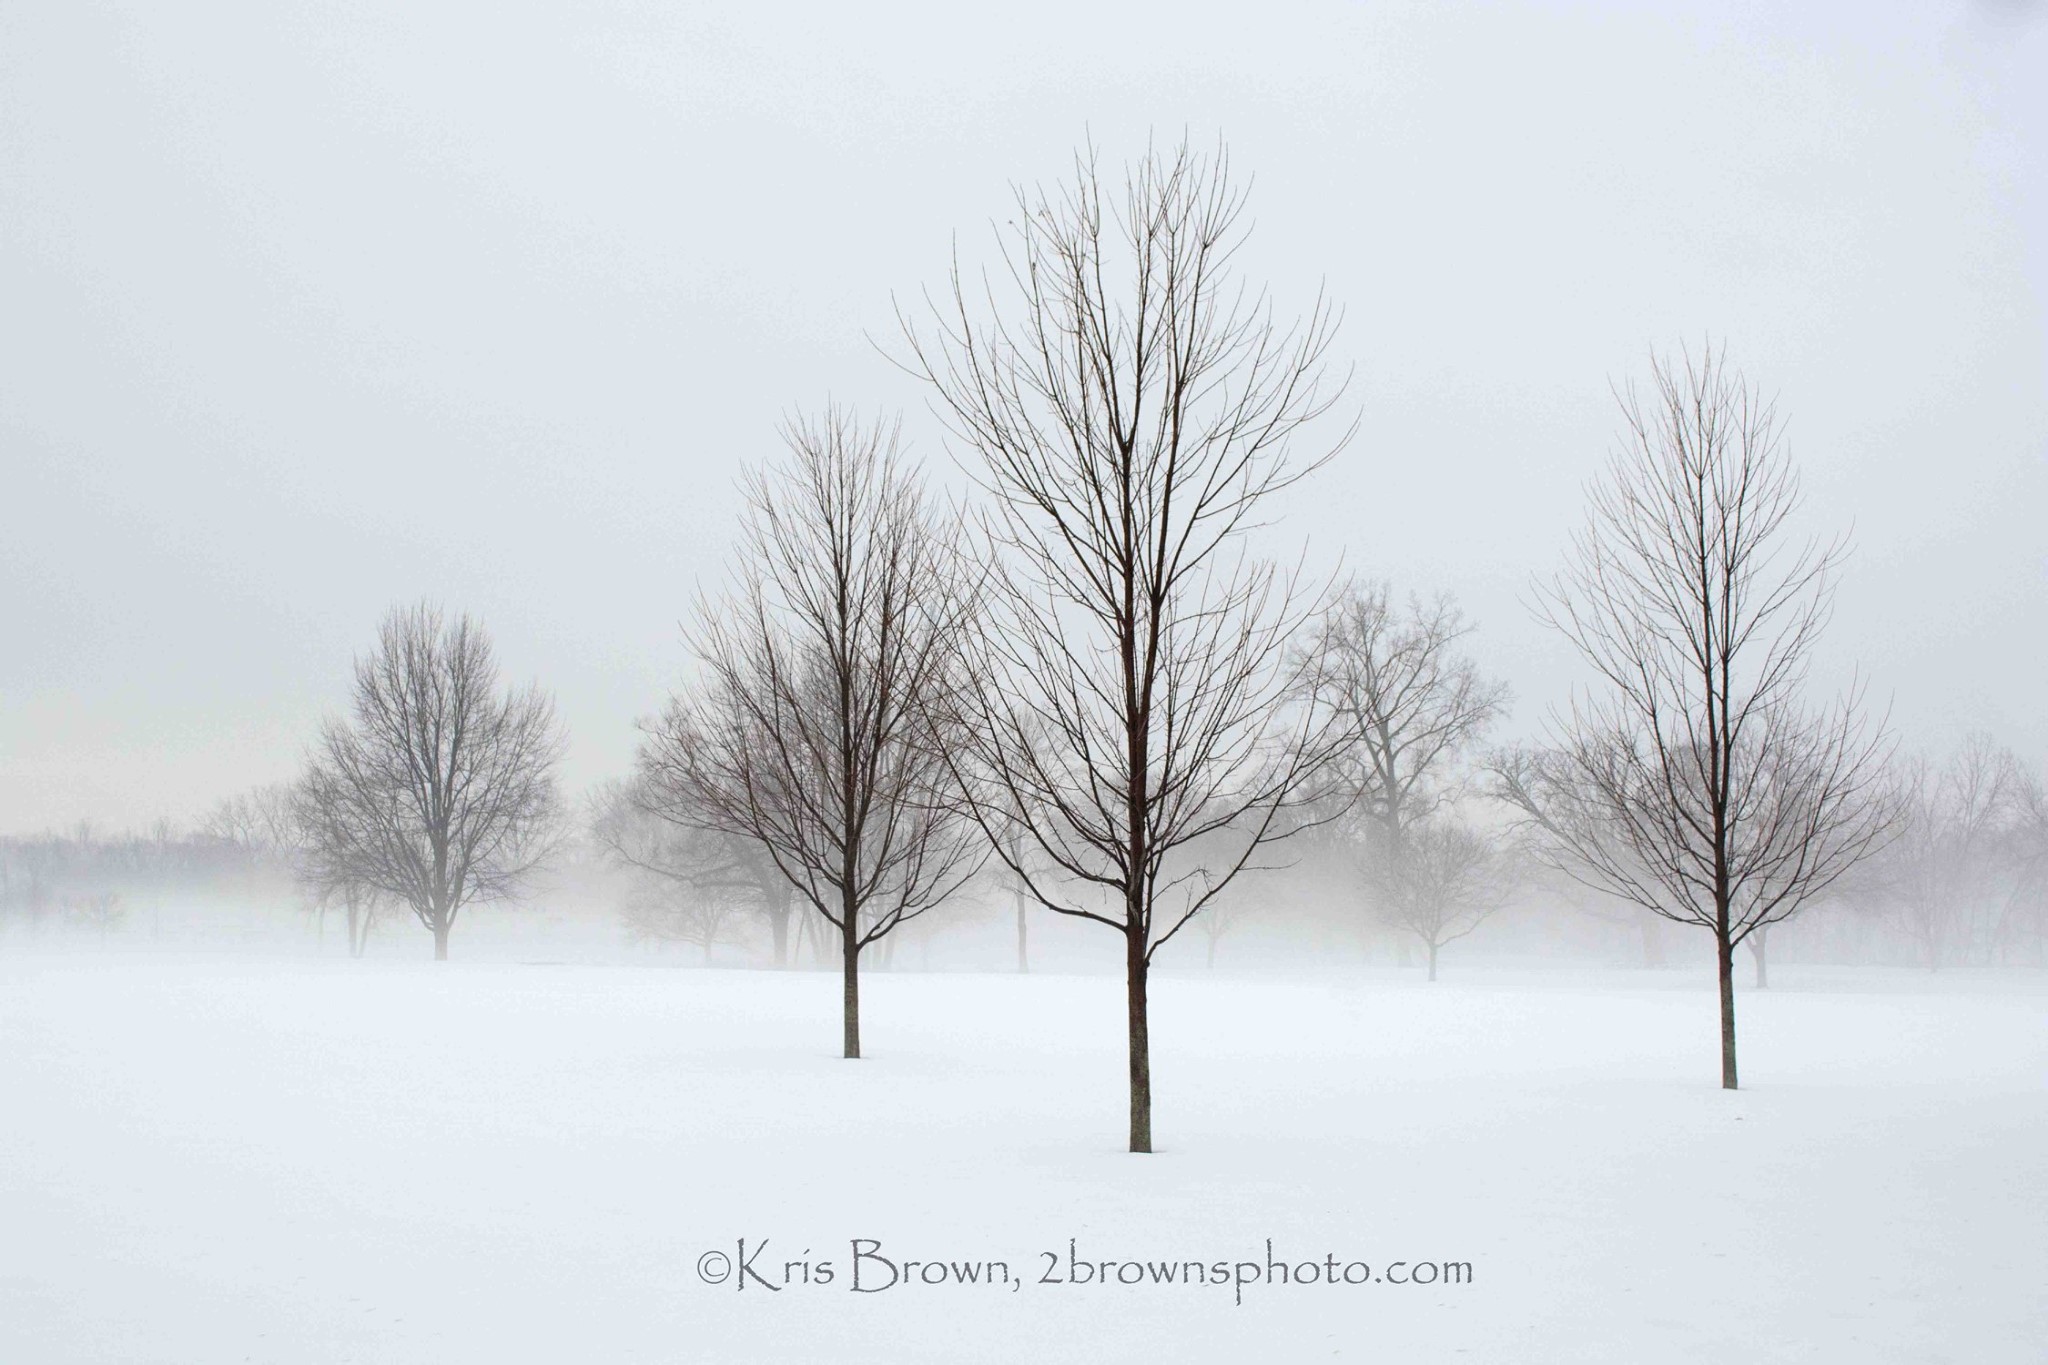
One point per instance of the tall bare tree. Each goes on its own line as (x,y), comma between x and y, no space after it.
(1693,778)
(438,788)
(1130,409)
(827,670)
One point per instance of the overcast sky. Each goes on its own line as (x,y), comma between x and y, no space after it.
(308,310)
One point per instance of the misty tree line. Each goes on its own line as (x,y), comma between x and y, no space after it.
(1084,689)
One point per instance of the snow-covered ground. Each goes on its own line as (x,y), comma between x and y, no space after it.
(212,1161)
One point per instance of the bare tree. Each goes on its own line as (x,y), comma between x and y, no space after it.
(1412,706)
(438,789)
(1412,703)
(1020,894)
(360,904)
(688,884)
(1694,780)
(1938,878)
(735,868)
(825,673)
(1129,408)
(2026,912)
(1447,880)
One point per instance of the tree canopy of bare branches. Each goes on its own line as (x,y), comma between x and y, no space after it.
(1447,880)
(1128,406)
(438,788)
(1939,878)
(828,672)
(1693,778)
(1412,703)
(689,884)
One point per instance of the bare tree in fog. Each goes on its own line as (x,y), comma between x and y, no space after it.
(1131,408)
(689,884)
(1694,780)
(827,671)
(264,823)
(100,911)
(1412,704)
(438,788)
(1447,880)
(1938,879)
(2026,916)
(1019,887)
(733,867)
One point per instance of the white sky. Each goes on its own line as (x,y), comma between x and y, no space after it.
(306,310)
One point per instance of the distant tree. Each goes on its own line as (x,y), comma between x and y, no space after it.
(2026,917)
(1217,919)
(686,884)
(438,788)
(360,904)
(1413,706)
(816,729)
(1448,879)
(1693,779)
(263,822)
(1130,411)
(101,911)
(1941,878)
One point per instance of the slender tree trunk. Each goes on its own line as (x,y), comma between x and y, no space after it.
(1432,961)
(1135,968)
(1023,958)
(1756,951)
(440,943)
(778,925)
(850,991)
(1725,955)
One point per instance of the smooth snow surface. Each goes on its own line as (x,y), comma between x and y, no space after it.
(375,1161)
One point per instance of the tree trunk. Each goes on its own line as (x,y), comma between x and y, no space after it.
(1140,1039)
(778,925)
(1725,956)
(1432,961)
(1653,939)
(440,943)
(1023,958)
(849,945)
(1756,950)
